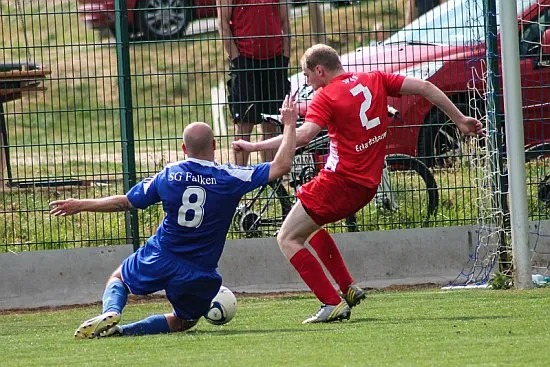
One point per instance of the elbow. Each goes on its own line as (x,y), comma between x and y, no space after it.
(279,169)
(283,168)
(286,167)
(427,88)
(302,139)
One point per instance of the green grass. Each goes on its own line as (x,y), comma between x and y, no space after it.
(411,328)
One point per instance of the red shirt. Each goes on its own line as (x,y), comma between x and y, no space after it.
(256,26)
(354,106)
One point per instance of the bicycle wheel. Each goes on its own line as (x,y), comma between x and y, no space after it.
(261,212)
(410,201)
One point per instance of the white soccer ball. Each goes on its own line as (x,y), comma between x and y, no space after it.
(223,307)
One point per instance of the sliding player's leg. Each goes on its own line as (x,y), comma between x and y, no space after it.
(190,292)
(115,297)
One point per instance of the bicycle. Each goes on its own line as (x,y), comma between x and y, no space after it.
(408,191)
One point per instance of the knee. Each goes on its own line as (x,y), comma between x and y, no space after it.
(281,238)
(177,325)
(287,244)
(116,275)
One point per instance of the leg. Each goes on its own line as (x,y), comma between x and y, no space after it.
(327,251)
(330,256)
(115,297)
(295,229)
(291,238)
(176,324)
(241,103)
(190,293)
(272,85)
(152,325)
(322,242)
(329,198)
(242,131)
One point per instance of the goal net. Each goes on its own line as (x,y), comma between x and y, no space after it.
(491,253)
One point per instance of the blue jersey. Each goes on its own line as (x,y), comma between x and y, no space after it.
(199,199)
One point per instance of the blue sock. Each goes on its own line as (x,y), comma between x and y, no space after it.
(115,296)
(155,324)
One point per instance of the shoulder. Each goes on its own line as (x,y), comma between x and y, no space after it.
(371,75)
(321,93)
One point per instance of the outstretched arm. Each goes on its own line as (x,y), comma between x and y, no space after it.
(467,125)
(304,134)
(115,203)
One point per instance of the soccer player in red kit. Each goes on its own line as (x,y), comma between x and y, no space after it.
(353,106)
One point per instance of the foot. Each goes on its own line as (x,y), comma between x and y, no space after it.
(354,295)
(91,328)
(114,331)
(329,313)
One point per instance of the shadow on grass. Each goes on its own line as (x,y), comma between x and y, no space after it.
(416,319)
(246,332)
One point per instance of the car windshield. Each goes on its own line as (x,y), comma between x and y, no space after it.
(455,22)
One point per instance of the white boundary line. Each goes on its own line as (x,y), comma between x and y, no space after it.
(219,100)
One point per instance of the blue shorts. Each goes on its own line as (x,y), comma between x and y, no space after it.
(188,288)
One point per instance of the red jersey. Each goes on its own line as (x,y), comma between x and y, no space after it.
(354,106)
(256,26)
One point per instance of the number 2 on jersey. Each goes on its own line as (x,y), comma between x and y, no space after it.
(196,207)
(367,124)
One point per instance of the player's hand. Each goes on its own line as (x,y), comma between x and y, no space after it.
(243,146)
(289,111)
(65,207)
(470,126)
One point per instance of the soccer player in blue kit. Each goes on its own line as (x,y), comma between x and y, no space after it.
(199,198)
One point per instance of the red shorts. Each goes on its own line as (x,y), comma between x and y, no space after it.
(329,197)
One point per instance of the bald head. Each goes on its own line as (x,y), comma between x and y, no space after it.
(198,141)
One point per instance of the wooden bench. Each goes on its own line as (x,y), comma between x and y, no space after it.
(16,80)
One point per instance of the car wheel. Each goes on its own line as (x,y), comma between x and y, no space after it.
(163,19)
(440,143)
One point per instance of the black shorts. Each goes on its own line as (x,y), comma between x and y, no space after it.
(257,86)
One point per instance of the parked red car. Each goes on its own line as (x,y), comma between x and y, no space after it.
(152,19)
(447,47)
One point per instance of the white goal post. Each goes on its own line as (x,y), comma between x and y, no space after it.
(514,144)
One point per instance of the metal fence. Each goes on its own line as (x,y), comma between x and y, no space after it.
(88,112)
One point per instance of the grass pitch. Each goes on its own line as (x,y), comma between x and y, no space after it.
(410,328)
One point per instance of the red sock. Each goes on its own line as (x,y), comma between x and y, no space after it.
(313,275)
(330,256)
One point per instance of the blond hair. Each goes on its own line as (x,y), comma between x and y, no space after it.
(322,55)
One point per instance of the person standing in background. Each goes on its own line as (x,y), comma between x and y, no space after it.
(255,36)
(418,8)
